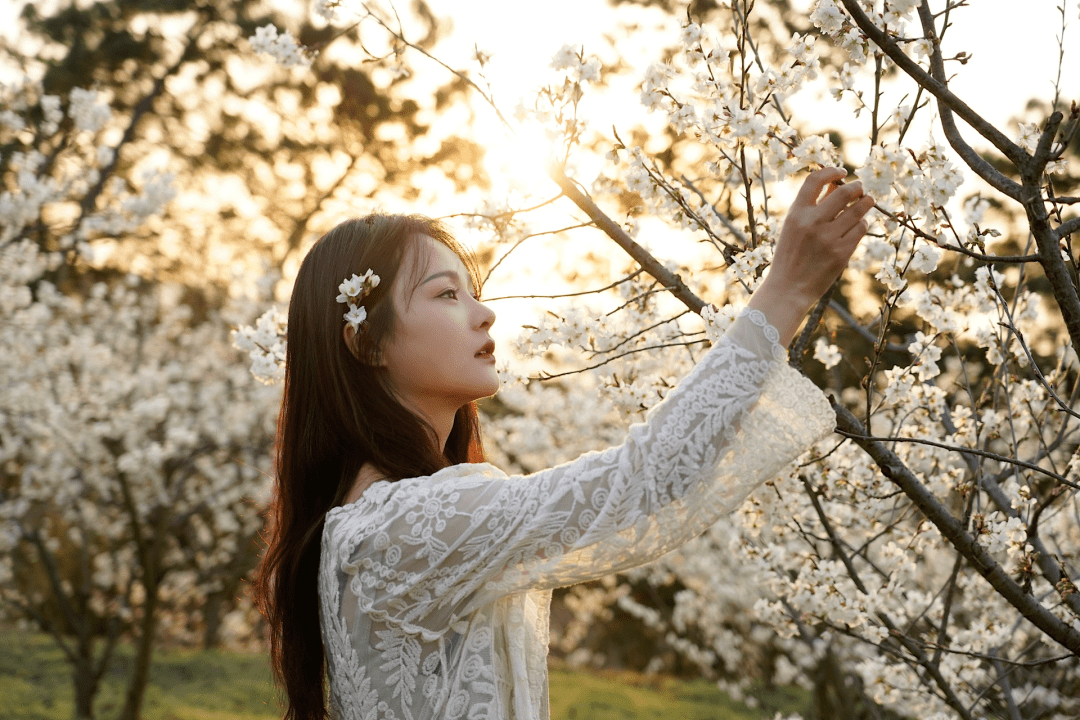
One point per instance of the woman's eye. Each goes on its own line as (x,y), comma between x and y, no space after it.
(449,293)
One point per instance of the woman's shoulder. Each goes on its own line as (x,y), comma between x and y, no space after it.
(384,502)
(379,493)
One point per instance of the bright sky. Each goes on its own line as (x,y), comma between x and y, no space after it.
(1013,46)
(1014,57)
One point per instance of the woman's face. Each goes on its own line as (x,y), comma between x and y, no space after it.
(440,355)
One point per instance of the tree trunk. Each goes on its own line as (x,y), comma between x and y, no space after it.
(141,673)
(836,694)
(86,683)
(212,608)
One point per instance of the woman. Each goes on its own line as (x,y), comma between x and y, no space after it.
(422,574)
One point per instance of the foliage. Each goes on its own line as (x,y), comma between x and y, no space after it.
(923,561)
(151,174)
(920,562)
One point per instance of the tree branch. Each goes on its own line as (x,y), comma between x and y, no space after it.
(141,108)
(889,463)
(596,291)
(1067,228)
(552,376)
(799,346)
(947,104)
(612,229)
(953,531)
(1044,557)
(909,644)
(969,451)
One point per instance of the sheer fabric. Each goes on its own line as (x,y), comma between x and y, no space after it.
(434,591)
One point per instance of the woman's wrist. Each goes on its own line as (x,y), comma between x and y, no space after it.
(784,308)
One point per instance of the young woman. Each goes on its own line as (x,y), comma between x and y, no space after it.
(422,575)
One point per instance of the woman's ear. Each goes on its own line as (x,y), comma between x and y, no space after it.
(366,355)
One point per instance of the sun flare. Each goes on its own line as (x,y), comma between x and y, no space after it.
(516,159)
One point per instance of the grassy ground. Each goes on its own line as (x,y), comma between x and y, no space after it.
(35,684)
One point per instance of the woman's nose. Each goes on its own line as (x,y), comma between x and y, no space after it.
(486,315)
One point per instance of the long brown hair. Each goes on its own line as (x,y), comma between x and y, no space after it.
(338,413)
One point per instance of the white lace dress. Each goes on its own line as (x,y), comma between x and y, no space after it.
(434,591)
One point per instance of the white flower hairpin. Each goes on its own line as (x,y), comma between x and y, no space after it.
(351,292)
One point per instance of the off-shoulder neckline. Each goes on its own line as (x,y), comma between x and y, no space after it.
(459,470)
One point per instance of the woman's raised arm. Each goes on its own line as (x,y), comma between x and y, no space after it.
(428,551)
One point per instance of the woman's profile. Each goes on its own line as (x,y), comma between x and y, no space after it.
(416,577)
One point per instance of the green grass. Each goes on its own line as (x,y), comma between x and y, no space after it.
(35,684)
(619,695)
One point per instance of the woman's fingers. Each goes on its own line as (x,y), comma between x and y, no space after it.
(851,215)
(850,239)
(839,199)
(815,182)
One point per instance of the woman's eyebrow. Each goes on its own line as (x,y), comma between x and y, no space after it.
(452,274)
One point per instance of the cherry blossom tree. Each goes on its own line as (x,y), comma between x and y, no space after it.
(150,174)
(133,448)
(922,560)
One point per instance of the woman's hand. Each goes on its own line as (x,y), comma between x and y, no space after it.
(815,245)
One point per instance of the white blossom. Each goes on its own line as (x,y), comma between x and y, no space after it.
(328,10)
(265,344)
(926,257)
(567,57)
(50,109)
(828,17)
(87,111)
(355,317)
(926,356)
(826,353)
(282,47)
(1029,136)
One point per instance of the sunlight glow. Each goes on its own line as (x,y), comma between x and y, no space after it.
(516,160)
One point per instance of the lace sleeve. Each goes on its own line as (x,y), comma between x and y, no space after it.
(432,550)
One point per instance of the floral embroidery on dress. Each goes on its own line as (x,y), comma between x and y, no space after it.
(435,590)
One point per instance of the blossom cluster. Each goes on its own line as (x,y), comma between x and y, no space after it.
(830,555)
(125,413)
(280,46)
(351,292)
(34,191)
(265,343)
(572,58)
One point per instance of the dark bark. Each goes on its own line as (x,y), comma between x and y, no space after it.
(86,683)
(150,549)
(1068,228)
(140,676)
(953,531)
(672,282)
(887,461)
(212,609)
(153,575)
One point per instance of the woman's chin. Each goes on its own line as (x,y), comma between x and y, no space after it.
(493,390)
(493,386)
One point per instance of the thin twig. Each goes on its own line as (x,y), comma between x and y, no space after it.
(549,376)
(970,451)
(642,256)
